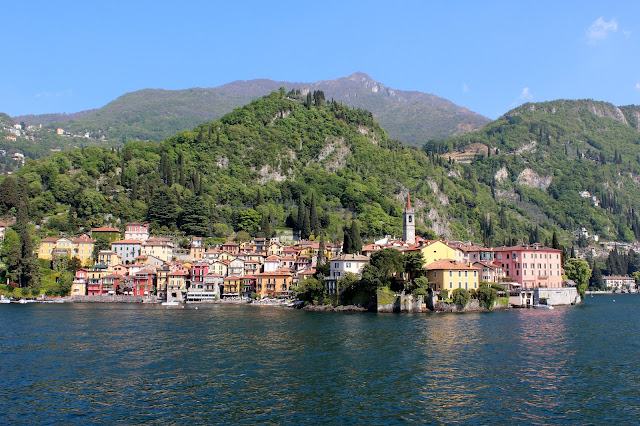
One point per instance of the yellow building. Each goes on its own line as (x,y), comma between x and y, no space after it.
(160,248)
(108,258)
(81,247)
(449,275)
(276,283)
(437,250)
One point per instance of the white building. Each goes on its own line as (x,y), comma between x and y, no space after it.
(340,266)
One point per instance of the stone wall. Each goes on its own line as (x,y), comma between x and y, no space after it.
(558,296)
(406,303)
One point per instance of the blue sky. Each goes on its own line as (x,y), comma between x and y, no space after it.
(67,56)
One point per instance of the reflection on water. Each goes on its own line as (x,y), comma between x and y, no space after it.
(249,364)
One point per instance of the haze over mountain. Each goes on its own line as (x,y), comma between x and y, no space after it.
(154,114)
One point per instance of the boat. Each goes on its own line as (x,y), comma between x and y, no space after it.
(4,299)
(543,306)
(173,303)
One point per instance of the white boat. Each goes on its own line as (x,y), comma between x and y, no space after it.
(174,303)
(4,299)
(543,306)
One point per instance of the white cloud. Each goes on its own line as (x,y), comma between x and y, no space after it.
(638,86)
(60,94)
(465,88)
(526,94)
(600,29)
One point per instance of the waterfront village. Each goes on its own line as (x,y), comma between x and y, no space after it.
(139,267)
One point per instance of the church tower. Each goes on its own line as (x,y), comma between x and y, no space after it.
(409,226)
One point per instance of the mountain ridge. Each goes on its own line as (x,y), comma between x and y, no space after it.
(410,116)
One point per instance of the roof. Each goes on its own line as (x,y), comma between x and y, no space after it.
(272,259)
(527,248)
(49,240)
(179,272)
(352,257)
(233,277)
(127,242)
(279,272)
(617,278)
(448,264)
(105,229)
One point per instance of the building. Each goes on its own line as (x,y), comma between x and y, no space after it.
(177,285)
(196,252)
(274,284)
(106,233)
(436,250)
(127,249)
(3,228)
(160,248)
(81,247)
(489,272)
(449,275)
(136,231)
(618,283)
(531,266)
(232,286)
(144,282)
(342,265)
(108,258)
(409,224)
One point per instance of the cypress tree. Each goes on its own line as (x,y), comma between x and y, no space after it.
(301,209)
(321,249)
(306,226)
(356,241)
(315,222)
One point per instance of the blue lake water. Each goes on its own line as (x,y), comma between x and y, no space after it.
(127,363)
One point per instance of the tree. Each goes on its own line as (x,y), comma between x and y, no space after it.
(578,271)
(310,289)
(248,220)
(413,263)
(596,280)
(194,220)
(11,253)
(487,295)
(356,240)
(306,226)
(389,264)
(321,249)
(313,216)
(461,297)
(8,194)
(163,208)
(301,210)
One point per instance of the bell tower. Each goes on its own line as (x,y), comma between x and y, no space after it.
(409,225)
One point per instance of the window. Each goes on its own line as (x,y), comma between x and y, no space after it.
(475,273)
(435,274)
(459,284)
(450,284)
(450,273)
(465,274)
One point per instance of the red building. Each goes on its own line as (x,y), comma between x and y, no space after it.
(198,272)
(144,282)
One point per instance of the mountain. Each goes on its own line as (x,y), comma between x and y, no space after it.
(301,160)
(568,163)
(154,114)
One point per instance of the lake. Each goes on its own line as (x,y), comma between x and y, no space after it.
(129,363)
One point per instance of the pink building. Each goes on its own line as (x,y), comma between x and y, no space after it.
(531,266)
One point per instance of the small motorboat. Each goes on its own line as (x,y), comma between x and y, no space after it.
(4,299)
(173,303)
(543,306)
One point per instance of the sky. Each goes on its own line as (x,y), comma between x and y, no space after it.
(487,56)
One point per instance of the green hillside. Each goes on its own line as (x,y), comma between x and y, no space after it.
(545,154)
(303,161)
(154,114)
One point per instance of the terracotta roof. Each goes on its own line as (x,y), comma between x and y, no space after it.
(279,272)
(527,248)
(179,272)
(272,259)
(49,240)
(105,229)
(127,242)
(233,277)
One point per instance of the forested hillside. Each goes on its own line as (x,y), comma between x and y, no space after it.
(544,158)
(299,160)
